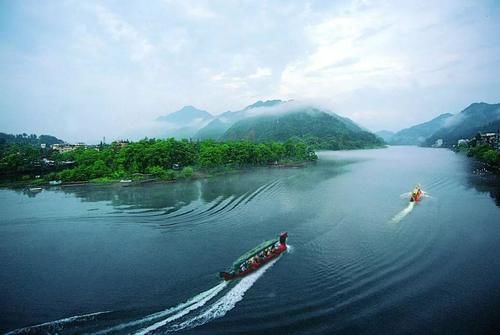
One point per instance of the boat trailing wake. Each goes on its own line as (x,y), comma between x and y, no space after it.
(196,311)
(401,215)
(179,310)
(218,309)
(225,303)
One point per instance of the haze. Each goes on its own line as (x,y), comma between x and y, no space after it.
(84,70)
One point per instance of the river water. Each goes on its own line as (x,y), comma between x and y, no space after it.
(362,260)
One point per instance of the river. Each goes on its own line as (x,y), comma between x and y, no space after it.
(362,260)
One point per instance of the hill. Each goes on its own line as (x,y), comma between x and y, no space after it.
(418,134)
(186,115)
(217,127)
(476,117)
(317,128)
(185,122)
(32,139)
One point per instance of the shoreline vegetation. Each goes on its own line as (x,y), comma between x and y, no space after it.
(482,153)
(148,160)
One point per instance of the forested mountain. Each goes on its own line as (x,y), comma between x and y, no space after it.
(185,122)
(217,127)
(417,134)
(317,128)
(186,115)
(31,139)
(477,117)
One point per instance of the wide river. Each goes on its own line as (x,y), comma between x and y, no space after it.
(362,259)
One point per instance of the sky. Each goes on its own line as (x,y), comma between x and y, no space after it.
(82,70)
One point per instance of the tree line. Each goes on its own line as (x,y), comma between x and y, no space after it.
(483,153)
(162,158)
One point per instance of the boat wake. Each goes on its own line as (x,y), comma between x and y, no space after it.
(53,327)
(196,311)
(401,215)
(216,310)
(173,313)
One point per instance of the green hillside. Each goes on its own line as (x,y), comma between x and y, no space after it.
(417,134)
(318,129)
(477,117)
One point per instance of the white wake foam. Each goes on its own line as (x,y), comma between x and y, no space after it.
(185,305)
(82,317)
(401,215)
(227,302)
(185,308)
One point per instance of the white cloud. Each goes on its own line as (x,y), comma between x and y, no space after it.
(386,64)
(120,30)
(261,72)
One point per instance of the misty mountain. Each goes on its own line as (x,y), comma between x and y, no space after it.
(317,128)
(217,127)
(185,116)
(477,117)
(418,134)
(185,122)
(386,135)
(31,139)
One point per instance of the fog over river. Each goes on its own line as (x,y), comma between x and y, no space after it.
(144,259)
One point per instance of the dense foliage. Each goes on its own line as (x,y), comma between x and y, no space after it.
(317,129)
(167,159)
(32,139)
(16,159)
(484,153)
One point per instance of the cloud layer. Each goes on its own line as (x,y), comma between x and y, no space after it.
(85,70)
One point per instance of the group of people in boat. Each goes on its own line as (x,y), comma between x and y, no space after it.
(256,260)
(416,193)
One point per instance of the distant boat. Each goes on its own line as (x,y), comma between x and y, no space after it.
(417,194)
(126,181)
(255,258)
(35,189)
(55,182)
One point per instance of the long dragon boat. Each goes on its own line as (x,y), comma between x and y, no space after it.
(255,258)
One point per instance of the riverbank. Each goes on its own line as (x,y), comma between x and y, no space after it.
(484,154)
(141,179)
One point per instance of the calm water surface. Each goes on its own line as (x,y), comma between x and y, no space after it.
(138,260)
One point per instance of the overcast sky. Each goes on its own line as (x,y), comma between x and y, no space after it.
(81,70)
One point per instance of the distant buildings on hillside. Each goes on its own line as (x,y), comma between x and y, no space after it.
(66,147)
(490,139)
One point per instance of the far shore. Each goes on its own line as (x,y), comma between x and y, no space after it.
(145,179)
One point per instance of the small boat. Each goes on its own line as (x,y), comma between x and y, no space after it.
(126,181)
(55,182)
(35,189)
(417,194)
(255,258)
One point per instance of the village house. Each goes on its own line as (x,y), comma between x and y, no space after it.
(66,147)
(490,139)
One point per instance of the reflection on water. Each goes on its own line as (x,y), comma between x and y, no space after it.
(483,179)
(118,260)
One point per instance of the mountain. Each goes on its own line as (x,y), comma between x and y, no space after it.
(186,115)
(217,127)
(317,128)
(185,122)
(29,139)
(386,135)
(477,117)
(418,134)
